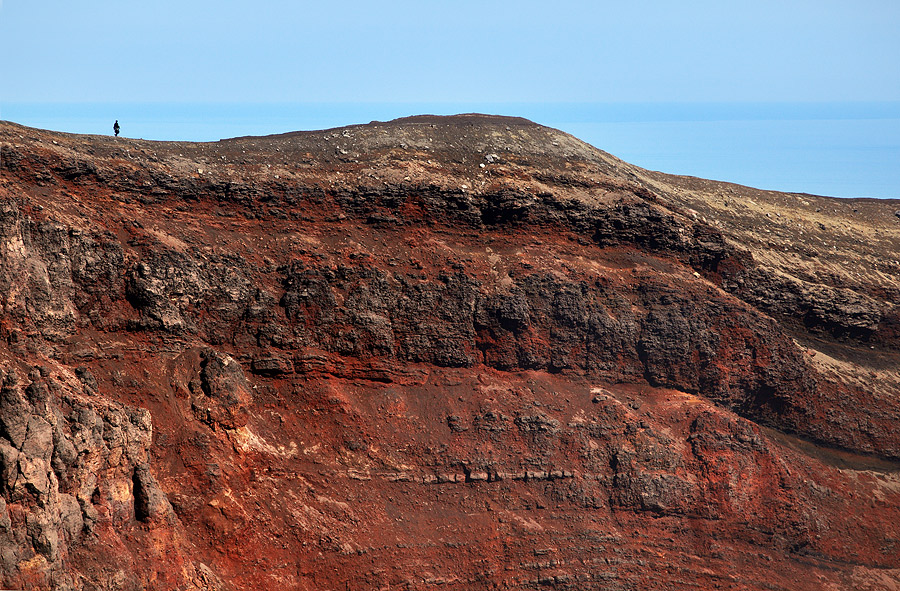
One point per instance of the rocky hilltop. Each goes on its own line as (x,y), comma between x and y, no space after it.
(460,352)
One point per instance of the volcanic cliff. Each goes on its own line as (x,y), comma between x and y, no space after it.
(460,352)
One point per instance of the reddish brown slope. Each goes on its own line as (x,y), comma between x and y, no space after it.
(371,362)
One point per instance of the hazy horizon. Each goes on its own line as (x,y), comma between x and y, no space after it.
(796,96)
(838,149)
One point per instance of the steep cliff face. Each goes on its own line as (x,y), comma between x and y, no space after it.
(466,352)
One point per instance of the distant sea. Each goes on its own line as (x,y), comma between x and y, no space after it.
(835,149)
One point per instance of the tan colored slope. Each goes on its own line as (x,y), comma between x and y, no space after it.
(851,242)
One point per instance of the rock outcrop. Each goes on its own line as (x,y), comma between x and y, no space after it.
(76,479)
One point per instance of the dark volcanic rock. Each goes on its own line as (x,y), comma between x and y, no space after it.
(224,394)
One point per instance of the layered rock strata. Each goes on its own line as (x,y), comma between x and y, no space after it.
(466,352)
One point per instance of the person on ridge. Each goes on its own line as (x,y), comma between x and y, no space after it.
(116,127)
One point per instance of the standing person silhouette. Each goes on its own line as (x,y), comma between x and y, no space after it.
(116,127)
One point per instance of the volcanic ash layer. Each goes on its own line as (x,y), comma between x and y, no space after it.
(453,353)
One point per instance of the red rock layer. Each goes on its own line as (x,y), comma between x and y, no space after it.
(450,353)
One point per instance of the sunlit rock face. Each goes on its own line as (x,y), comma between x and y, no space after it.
(462,353)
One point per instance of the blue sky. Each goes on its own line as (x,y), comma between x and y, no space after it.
(462,51)
(795,95)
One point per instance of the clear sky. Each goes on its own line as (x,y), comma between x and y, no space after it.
(461,51)
(799,95)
